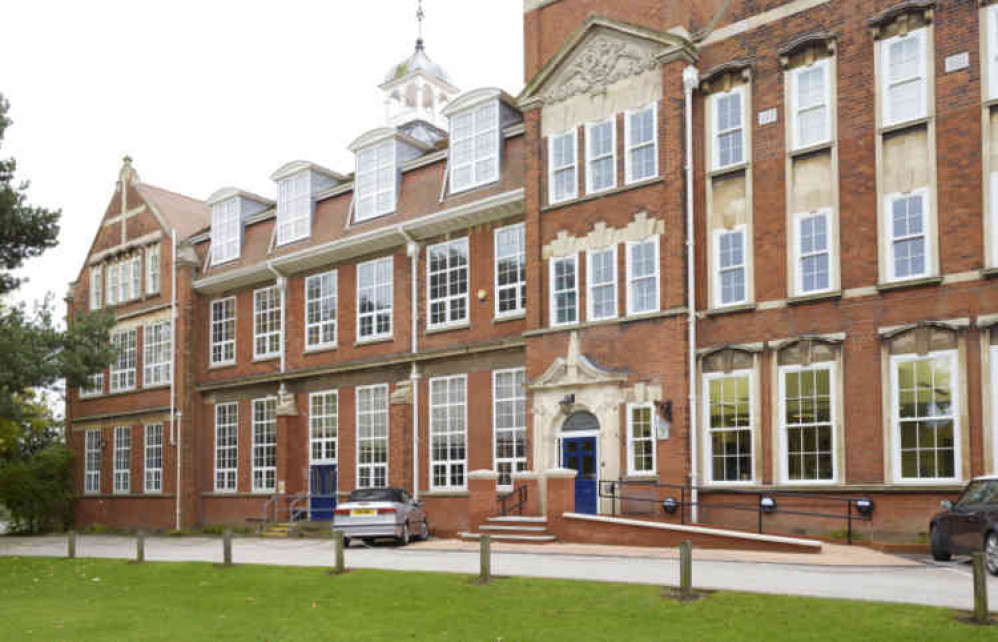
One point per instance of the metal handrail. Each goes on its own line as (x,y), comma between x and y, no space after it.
(520,495)
(614,491)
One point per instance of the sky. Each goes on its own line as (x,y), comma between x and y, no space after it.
(213,93)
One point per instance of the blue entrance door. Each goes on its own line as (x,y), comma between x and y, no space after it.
(322,488)
(579,454)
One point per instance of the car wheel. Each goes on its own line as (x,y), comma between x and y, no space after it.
(939,552)
(991,552)
(406,535)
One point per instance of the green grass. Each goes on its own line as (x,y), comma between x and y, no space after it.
(59,599)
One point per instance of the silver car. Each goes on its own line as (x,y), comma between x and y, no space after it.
(373,513)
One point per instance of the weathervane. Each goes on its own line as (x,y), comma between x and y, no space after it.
(420,14)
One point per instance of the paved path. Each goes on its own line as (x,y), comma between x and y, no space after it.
(917,581)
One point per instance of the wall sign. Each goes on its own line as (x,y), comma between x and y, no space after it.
(767,117)
(956,62)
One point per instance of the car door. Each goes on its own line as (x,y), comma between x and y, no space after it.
(967,522)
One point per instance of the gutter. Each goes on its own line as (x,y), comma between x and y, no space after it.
(412,249)
(691,78)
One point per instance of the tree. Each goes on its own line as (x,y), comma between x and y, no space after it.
(37,353)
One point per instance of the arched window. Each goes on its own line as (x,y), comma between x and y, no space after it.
(580,421)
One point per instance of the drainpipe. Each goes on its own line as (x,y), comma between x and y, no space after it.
(180,441)
(282,286)
(174,415)
(691,78)
(412,249)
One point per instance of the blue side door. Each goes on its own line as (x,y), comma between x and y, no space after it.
(579,454)
(322,488)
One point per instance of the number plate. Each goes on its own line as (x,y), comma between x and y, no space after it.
(363,512)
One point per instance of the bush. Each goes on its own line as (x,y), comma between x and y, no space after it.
(38,491)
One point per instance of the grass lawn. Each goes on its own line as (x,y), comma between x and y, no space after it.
(86,599)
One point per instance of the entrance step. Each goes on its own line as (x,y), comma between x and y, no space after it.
(518,518)
(504,537)
(518,528)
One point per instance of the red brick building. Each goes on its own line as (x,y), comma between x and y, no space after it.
(505,283)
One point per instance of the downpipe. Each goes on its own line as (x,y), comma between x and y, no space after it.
(691,79)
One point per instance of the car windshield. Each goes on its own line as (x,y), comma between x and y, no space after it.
(376,495)
(979,492)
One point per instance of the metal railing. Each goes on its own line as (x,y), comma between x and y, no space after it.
(622,493)
(513,503)
(289,508)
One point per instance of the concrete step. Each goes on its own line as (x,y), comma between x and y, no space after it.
(518,519)
(523,539)
(495,527)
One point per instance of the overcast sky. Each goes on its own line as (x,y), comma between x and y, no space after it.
(212,93)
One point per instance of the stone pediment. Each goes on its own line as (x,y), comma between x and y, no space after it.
(575,370)
(599,54)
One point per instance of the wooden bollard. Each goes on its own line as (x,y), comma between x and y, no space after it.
(338,545)
(980,589)
(485,552)
(227,548)
(140,547)
(686,569)
(71,545)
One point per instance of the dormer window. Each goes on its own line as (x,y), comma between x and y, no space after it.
(376,175)
(475,147)
(225,228)
(294,208)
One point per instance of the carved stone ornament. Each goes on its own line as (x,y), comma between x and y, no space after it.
(599,63)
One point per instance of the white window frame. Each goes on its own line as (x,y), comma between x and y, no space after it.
(629,147)
(373,467)
(591,283)
(326,323)
(993,354)
(272,326)
(226,461)
(122,460)
(152,270)
(448,300)
(519,430)
(591,159)
(226,231)
(96,287)
(123,368)
(323,426)
(492,129)
(453,409)
(96,388)
(520,287)
(573,167)
(800,256)
(553,293)
(157,372)
(124,281)
(111,292)
(709,431)
(718,270)
(91,462)
(795,122)
(264,451)
(955,383)
(783,440)
(926,235)
(716,133)
(889,119)
(385,156)
(632,470)
(224,325)
(375,335)
(991,63)
(632,279)
(294,208)
(152,459)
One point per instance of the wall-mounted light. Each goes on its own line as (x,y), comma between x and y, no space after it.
(768,504)
(865,506)
(670,505)
(567,403)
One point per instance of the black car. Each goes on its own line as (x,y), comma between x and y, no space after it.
(970,524)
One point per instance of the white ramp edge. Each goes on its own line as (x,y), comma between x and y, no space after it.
(700,530)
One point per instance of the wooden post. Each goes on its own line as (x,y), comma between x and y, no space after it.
(338,545)
(686,569)
(485,552)
(71,545)
(227,548)
(980,589)
(140,547)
